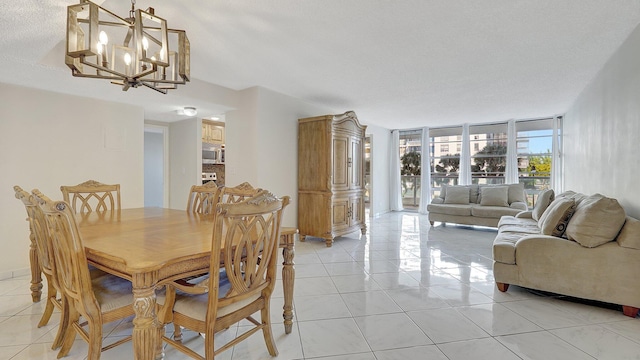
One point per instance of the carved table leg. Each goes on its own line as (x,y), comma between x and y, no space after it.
(146,328)
(288,277)
(36,272)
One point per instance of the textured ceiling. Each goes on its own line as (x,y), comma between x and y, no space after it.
(398,64)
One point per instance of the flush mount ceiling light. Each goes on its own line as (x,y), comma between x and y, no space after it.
(189,111)
(133,51)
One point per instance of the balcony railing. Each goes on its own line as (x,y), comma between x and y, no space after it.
(410,191)
(411,186)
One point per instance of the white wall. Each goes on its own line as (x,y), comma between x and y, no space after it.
(602,130)
(262,143)
(185,158)
(240,140)
(49,139)
(380,177)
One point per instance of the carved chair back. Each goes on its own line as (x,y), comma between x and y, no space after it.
(202,199)
(248,232)
(231,195)
(91,196)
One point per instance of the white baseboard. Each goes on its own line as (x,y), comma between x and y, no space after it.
(15,273)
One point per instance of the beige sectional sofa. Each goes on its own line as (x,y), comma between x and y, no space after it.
(576,245)
(482,205)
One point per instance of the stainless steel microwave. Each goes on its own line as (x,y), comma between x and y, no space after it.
(213,156)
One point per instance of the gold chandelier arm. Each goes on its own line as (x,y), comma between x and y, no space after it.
(153,87)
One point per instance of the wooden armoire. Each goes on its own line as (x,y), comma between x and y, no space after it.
(330,176)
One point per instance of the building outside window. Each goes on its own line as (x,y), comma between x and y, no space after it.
(444,164)
(489,153)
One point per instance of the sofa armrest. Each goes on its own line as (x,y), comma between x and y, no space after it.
(437,200)
(524,215)
(518,205)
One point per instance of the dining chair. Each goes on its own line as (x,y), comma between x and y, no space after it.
(202,198)
(38,231)
(223,195)
(230,195)
(91,196)
(98,300)
(246,235)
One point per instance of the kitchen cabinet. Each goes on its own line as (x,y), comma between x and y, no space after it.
(330,176)
(212,132)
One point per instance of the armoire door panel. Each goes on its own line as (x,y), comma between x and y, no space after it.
(340,213)
(340,166)
(356,157)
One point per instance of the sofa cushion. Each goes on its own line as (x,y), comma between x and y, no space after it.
(524,228)
(629,236)
(544,199)
(597,220)
(492,211)
(450,209)
(522,206)
(516,193)
(513,220)
(555,218)
(494,196)
(525,215)
(504,247)
(457,195)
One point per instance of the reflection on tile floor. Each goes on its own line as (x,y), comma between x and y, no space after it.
(405,290)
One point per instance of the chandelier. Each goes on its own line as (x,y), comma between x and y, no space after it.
(133,51)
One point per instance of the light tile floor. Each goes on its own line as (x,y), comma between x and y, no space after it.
(406,290)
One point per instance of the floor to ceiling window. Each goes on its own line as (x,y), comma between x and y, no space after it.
(410,169)
(445,147)
(535,155)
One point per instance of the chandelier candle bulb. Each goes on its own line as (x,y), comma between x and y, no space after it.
(127,62)
(102,47)
(145,47)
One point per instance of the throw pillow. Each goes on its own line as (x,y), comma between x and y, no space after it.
(457,195)
(544,199)
(597,220)
(516,193)
(629,236)
(494,196)
(555,218)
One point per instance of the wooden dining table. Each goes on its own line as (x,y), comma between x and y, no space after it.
(154,246)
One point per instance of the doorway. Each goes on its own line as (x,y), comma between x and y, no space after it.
(156,174)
